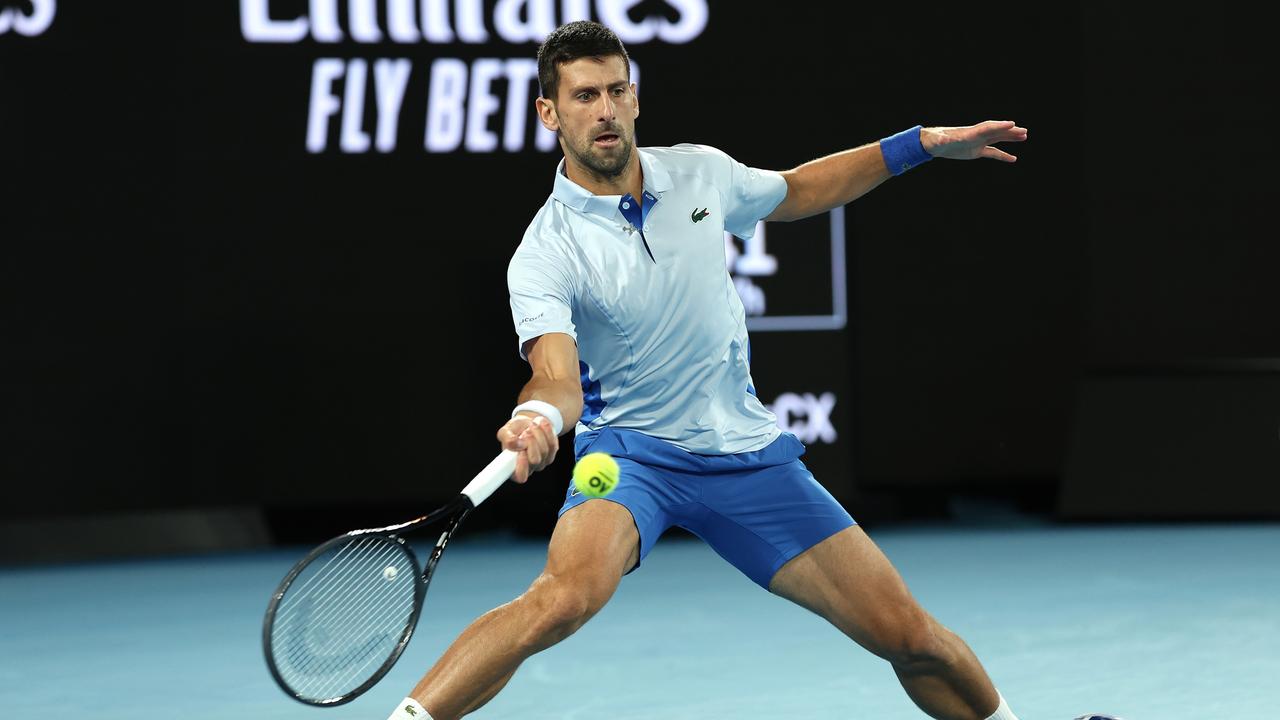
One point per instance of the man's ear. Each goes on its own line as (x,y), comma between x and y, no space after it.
(547,114)
(637,97)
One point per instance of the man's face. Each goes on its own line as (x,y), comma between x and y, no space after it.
(595,111)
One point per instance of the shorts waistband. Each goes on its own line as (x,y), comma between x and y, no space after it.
(641,448)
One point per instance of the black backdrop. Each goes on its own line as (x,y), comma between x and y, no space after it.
(199,310)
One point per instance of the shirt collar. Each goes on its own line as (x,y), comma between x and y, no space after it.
(656,180)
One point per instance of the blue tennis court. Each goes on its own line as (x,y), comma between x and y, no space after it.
(1148,622)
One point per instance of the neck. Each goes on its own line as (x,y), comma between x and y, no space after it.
(630,180)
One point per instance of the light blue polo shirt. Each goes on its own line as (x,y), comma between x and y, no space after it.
(643,289)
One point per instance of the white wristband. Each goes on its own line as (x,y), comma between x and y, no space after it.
(544,409)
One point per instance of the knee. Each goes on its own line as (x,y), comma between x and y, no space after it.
(910,639)
(556,608)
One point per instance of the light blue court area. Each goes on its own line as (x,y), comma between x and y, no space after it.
(1145,622)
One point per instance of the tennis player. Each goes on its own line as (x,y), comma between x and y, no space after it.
(636,336)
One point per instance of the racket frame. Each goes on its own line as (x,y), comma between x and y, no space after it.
(458,509)
(484,484)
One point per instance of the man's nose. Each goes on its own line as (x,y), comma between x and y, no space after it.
(608,110)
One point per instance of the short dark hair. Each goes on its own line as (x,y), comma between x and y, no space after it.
(571,41)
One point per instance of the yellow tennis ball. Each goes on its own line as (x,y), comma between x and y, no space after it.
(596,474)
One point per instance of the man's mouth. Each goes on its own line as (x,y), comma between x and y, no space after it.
(607,140)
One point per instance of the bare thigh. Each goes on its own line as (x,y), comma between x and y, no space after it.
(595,543)
(849,581)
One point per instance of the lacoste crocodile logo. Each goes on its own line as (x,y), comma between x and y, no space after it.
(699,214)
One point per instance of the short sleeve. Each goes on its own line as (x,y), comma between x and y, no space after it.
(541,291)
(749,194)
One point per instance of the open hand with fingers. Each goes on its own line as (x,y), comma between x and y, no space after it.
(974,141)
(534,438)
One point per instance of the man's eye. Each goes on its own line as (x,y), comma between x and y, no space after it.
(584,97)
(617,92)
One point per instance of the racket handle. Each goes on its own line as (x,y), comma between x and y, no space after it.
(491,478)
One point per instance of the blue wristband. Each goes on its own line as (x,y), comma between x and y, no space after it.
(904,151)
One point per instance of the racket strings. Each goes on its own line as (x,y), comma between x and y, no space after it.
(343,584)
(324,624)
(323,580)
(358,641)
(331,569)
(345,615)
(349,626)
(350,585)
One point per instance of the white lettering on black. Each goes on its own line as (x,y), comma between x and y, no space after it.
(29,24)
(806,416)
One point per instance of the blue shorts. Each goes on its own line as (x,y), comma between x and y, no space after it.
(757,509)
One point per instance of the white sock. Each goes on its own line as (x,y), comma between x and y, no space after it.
(409,709)
(1002,713)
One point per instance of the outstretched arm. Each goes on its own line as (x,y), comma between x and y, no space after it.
(554,360)
(835,180)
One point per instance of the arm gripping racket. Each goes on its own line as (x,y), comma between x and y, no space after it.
(343,615)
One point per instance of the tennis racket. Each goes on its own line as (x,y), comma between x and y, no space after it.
(344,614)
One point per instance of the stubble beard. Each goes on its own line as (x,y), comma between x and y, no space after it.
(606,166)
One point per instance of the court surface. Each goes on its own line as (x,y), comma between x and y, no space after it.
(1148,622)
